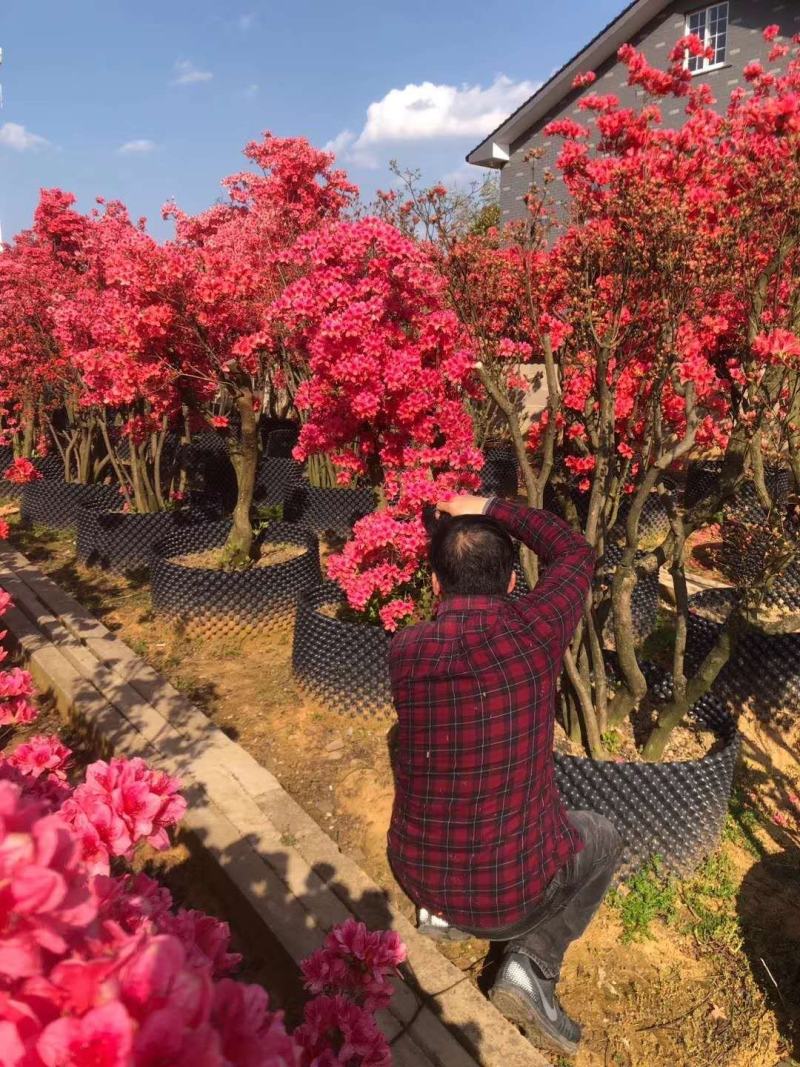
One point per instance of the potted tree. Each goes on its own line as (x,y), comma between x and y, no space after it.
(231,264)
(385,400)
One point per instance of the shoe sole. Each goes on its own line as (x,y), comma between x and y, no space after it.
(517,1010)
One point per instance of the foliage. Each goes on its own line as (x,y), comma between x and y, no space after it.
(659,302)
(231,263)
(388,370)
(710,898)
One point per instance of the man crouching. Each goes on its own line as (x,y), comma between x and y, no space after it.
(480,838)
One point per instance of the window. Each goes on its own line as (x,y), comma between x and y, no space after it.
(710,24)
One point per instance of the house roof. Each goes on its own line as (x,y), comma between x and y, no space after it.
(493,151)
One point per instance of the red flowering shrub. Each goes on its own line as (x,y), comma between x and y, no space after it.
(389,374)
(656,303)
(229,265)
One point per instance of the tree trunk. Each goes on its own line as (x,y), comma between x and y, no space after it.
(672,714)
(28,430)
(239,546)
(320,470)
(585,709)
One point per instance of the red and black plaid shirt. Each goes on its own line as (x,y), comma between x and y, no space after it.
(478,826)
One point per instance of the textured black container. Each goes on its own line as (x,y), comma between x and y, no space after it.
(214,602)
(280,442)
(644,599)
(762,675)
(210,471)
(500,474)
(343,665)
(51,467)
(322,510)
(118,541)
(653,522)
(277,477)
(702,478)
(746,566)
(56,504)
(672,810)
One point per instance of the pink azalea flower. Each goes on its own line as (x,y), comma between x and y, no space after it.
(41,755)
(341,1033)
(102,1038)
(205,940)
(357,962)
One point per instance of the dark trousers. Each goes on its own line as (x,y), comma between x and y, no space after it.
(573,896)
(570,900)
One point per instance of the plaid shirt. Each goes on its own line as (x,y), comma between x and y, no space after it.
(478,827)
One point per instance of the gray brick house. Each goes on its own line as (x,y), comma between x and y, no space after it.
(733,28)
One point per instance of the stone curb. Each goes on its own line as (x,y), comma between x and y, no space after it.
(272,854)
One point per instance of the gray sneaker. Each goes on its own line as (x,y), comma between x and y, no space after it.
(437,928)
(530,1001)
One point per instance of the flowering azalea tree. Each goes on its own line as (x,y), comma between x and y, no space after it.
(97,966)
(388,371)
(231,264)
(118,332)
(39,391)
(660,307)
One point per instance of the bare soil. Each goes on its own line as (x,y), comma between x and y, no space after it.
(702,554)
(675,1000)
(270,554)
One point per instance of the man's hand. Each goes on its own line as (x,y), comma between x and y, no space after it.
(463,505)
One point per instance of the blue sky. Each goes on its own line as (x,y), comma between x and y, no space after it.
(144,101)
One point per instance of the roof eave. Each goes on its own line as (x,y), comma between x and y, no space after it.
(605,44)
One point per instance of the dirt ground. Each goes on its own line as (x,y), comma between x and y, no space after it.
(712,979)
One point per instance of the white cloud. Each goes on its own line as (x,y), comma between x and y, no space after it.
(186,73)
(462,177)
(12,135)
(251,91)
(340,143)
(138,147)
(427,111)
(245,22)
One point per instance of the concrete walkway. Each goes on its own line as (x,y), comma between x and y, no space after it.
(276,861)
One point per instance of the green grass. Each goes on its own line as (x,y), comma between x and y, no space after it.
(710,900)
(647,896)
(612,742)
(703,906)
(742,824)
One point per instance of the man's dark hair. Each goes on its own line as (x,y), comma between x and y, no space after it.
(471,555)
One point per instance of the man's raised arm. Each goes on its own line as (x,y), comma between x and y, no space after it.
(566,559)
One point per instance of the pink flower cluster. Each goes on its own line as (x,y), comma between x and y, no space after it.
(357,961)
(101,971)
(21,472)
(16,685)
(16,689)
(389,373)
(120,804)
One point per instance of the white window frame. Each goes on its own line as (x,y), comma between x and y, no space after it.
(706,64)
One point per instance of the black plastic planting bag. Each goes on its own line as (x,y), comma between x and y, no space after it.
(120,541)
(56,503)
(322,510)
(214,602)
(343,665)
(500,474)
